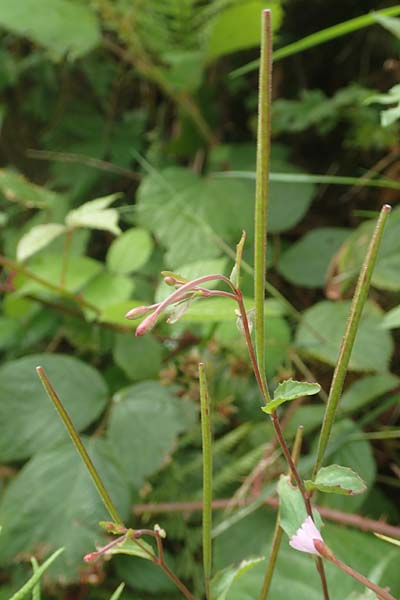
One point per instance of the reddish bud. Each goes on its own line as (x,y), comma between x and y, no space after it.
(147,324)
(137,312)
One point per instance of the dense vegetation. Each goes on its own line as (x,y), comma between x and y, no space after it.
(128,148)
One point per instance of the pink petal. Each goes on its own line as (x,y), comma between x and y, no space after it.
(303,539)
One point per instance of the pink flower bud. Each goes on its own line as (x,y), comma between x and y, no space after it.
(91,556)
(303,539)
(137,312)
(147,324)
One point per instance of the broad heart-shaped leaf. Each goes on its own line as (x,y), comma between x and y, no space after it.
(144,423)
(61,26)
(292,512)
(322,327)
(223,580)
(290,390)
(38,238)
(238,26)
(130,251)
(95,214)
(28,421)
(337,480)
(307,260)
(53,501)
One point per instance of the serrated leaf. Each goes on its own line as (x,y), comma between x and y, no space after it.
(38,238)
(322,327)
(64,508)
(28,421)
(95,215)
(61,26)
(144,423)
(223,581)
(337,480)
(290,390)
(130,251)
(292,512)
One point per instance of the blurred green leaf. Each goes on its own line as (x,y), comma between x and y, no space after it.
(292,512)
(130,251)
(106,289)
(322,327)
(392,319)
(139,358)
(61,26)
(38,238)
(64,508)
(144,423)
(95,214)
(16,188)
(223,580)
(28,421)
(337,480)
(364,391)
(306,262)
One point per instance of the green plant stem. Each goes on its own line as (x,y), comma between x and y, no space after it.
(321,37)
(206,435)
(31,583)
(278,531)
(79,445)
(262,186)
(326,553)
(357,305)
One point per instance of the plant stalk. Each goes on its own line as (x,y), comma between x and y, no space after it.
(206,435)
(79,446)
(357,306)
(262,187)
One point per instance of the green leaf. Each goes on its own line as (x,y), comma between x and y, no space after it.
(364,391)
(223,309)
(38,238)
(28,421)
(337,480)
(145,575)
(292,512)
(306,262)
(392,319)
(139,358)
(131,548)
(321,329)
(10,332)
(130,251)
(106,289)
(64,508)
(29,585)
(390,23)
(16,188)
(81,269)
(144,423)
(61,26)
(290,390)
(238,27)
(95,214)
(115,313)
(353,453)
(223,581)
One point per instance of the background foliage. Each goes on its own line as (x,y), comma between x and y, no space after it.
(128,148)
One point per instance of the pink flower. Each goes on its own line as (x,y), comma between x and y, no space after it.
(147,324)
(303,539)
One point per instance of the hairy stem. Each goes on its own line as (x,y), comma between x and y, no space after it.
(207,477)
(357,305)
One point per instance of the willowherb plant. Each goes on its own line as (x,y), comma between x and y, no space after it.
(304,533)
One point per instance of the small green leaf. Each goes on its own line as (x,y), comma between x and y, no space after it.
(291,506)
(337,480)
(131,548)
(290,390)
(130,251)
(95,214)
(392,319)
(37,238)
